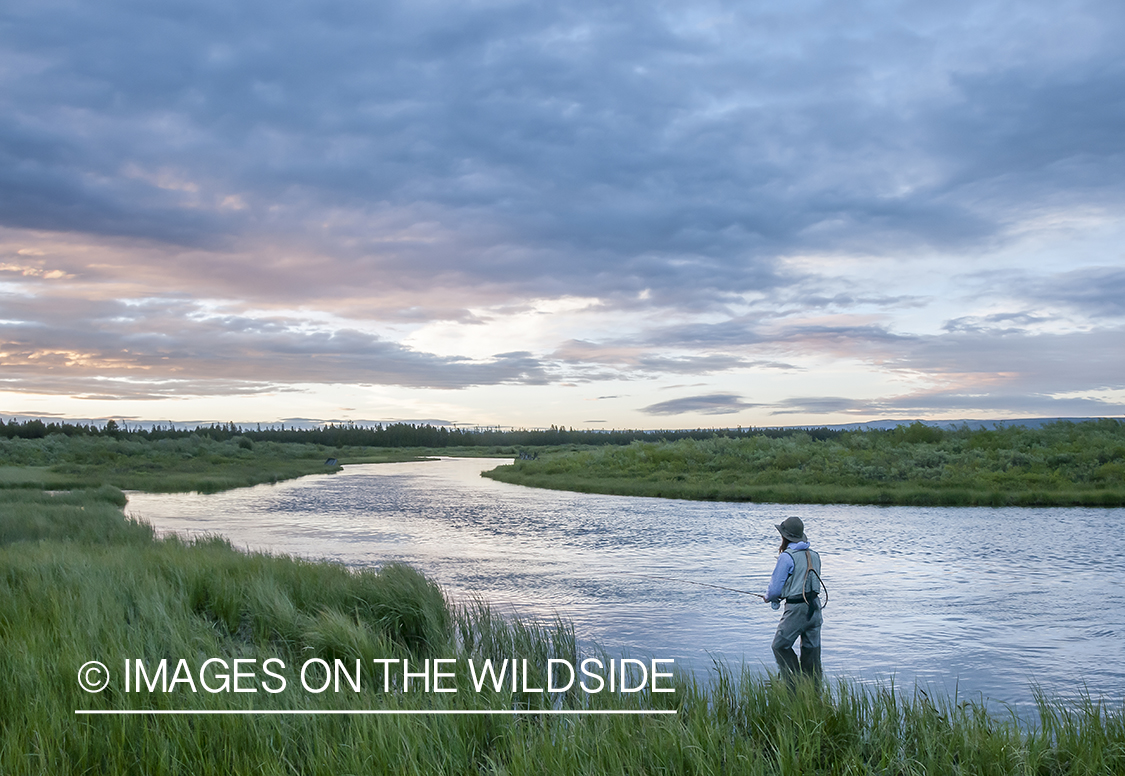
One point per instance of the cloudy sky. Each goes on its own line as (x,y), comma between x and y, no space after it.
(595,214)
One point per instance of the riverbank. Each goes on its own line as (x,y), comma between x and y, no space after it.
(1061,464)
(80,582)
(190,463)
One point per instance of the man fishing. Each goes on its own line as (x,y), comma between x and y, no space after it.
(796,579)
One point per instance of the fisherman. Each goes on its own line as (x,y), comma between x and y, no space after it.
(796,579)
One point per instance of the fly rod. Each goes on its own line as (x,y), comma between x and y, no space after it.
(700,584)
(721,587)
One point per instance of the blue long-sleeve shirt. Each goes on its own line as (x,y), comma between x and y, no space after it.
(782,571)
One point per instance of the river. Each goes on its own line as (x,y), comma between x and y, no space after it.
(984,602)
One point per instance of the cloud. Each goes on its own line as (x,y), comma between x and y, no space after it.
(1011,363)
(708,404)
(944,402)
(218,198)
(638,359)
(823,405)
(557,148)
(979,368)
(174,347)
(1000,323)
(1096,292)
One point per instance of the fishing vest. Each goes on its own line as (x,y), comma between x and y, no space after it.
(802,579)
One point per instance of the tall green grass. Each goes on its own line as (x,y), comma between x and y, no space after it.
(88,517)
(111,594)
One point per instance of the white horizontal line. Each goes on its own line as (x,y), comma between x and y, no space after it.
(245,712)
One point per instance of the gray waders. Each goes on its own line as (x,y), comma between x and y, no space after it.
(799,620)
(802,619)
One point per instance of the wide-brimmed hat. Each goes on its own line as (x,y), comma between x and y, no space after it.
(793,529)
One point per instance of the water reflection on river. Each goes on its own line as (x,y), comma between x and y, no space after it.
(985,601)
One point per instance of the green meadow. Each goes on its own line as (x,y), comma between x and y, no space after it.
(1060,464)
(79,582)
(195,462)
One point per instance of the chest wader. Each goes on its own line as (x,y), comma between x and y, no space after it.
(802,619)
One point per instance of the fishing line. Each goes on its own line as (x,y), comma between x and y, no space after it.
(689,582)
(729,589)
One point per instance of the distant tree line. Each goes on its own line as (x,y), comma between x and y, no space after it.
(395,434)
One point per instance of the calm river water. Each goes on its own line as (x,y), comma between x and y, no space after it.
(981,601)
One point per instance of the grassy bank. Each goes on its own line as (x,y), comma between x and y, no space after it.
(189,463)
(1061,464)
(193,463)
(79,582)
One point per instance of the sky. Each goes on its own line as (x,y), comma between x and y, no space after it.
(590,214)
